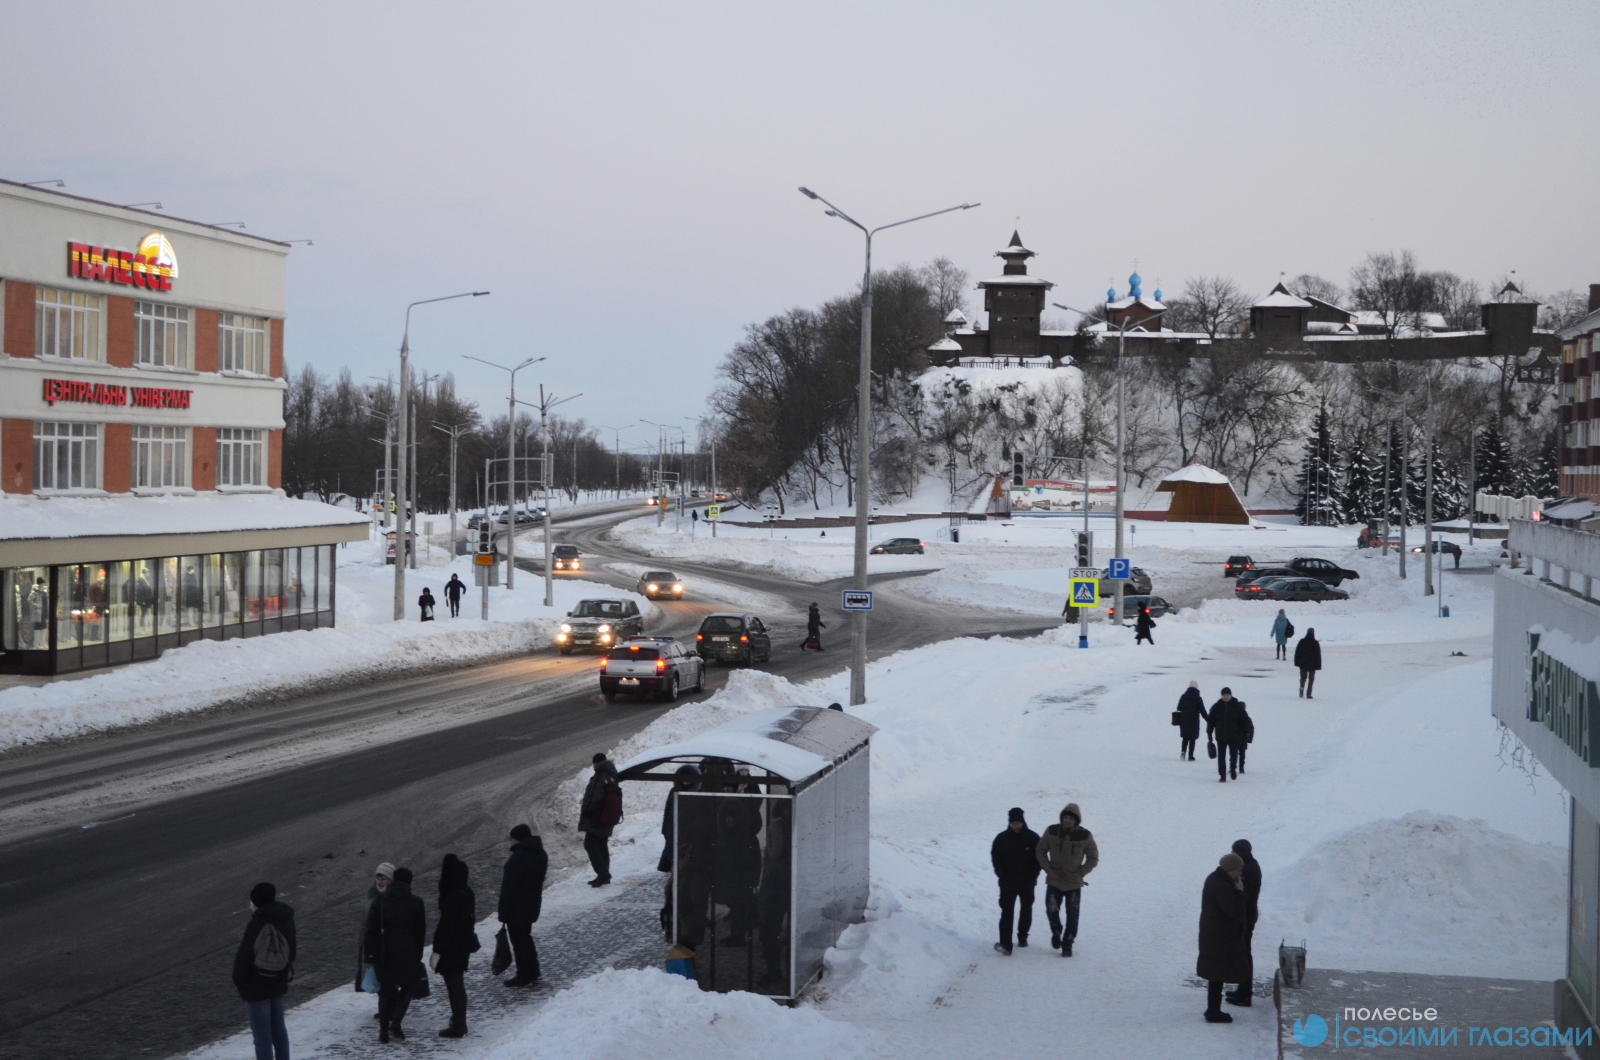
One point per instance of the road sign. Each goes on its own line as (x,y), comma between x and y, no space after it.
(1085,592)
(483,559)
(856,600)
(1121,569)
(713,511)
(1086,572)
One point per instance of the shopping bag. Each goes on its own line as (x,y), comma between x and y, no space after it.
(1177,718)
(369,980)
(1211,749)
(420,987)
(502,952)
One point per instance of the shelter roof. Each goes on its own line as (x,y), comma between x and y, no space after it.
(946,345)
(27,517)
(1194,473)
(796,743)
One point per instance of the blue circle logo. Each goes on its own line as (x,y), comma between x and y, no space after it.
(1313,1032)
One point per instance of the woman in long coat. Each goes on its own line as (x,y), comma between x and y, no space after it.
(455,939)
(1224,935)
(1191,712)
(396,930)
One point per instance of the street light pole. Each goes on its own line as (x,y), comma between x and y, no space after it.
(400,484)
(616,451)
(455,431)
(858,653)
(511,465)
(1122,335)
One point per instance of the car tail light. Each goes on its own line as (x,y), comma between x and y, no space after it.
(603,661)
(699,636)
(743,638)
(661,666)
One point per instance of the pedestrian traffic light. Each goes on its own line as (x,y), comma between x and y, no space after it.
(1016,468)
(1085,549)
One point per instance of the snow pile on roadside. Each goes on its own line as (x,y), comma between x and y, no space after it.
(1424,893)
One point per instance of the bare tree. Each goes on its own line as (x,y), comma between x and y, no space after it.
(947,285)
(1212,304)
(1310,285)
(1563,309)
(1390,285)
(1458,301)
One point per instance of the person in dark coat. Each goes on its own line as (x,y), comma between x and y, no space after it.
(814,628)
(453,589)
(455,940)
(1308,659)
(688,779)
(1224,935)
(1191,712)
(521,895)
(426,602)
(397,929)
(1143,627)
(262,989)
(382,876)
(1016,868)
(1251,877)
(1233,730)
(591,817)
(738,859)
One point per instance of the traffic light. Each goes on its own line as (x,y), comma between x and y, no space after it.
(483,538)
(1085,549)
(1016,468)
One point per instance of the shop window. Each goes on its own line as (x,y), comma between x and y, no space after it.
(25,624)
(252,586)
(119,601)
(272,583)
(67,324)
(232,588)
(72,601)
(241,456)
(161,335)
(66,456)
(192,596)
(242,344)
(213,588)
(160,457)
(142,587)
(167,596)
(308,579)
(291,582)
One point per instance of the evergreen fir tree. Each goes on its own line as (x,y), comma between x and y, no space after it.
(1492,470)
(1449,488)
(1538,473)
(1363,481)
(1321,498)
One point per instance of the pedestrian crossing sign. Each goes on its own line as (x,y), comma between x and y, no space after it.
(1085,592)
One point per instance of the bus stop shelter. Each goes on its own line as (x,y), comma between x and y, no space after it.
(769,852)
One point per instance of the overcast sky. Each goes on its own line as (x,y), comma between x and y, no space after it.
(622,176)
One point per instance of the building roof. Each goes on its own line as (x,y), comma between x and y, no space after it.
(1129,302)
(796,743)
(1196,473)
(945,345)
(1582,327)
(1016,281)
(956,318)
(1015,249)
(1376,318)
(163,217)
(1280,298)
(1325,304)
(25,517)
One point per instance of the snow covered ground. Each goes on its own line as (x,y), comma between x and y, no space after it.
(1391,833)
(365,645)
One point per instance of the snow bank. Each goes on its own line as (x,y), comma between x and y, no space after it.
(1427,892)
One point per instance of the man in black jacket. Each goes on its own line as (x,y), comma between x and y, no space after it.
(1308,659)
(521,893)
(591,817)
(397,931)
(452,594)
(1016,867)
(262,968)
(1233,730)
(1250,876)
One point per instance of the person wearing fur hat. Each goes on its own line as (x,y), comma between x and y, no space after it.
(1224,936)
(262,968)
(397,930)
(1067,853)
(1014,854)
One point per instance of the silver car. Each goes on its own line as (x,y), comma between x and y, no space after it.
(1138,585)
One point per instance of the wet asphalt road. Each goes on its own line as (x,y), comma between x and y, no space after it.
(120,932)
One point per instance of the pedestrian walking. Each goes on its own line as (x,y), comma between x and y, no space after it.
(1143,627)
(262,968)
(814,628)
(382,876)
(1233,729)
(1282,630)
(397,929)
(426,603)
(1190,713)
(521,894)
(1224,935)
(1250,876)
(1015,857)
(1067,853)
(1308,657)
(687,779)
(453,590)
(455,940)
(599,812)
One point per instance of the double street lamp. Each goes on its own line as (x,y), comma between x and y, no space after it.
(511,467)
(858,654)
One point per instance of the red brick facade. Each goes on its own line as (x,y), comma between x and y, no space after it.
(16,455)
(275,327)
(206,324)
(119,331)
(203,463)
(19,321)
(275,459)
(116,457)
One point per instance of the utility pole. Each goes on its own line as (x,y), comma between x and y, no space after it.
(511,463)
(455,431)
(1122,334)
(1427,504)
(546,467)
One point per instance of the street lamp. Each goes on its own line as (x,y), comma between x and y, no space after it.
(400,484)
(616,450)
(546,403)
(661,469)
(858,653)
(511,466)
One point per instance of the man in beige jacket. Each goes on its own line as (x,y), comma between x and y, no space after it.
(1067,853)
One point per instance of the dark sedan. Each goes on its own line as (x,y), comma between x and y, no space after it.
(1324,570)
(1257,573)
(898,546)
(1294,589)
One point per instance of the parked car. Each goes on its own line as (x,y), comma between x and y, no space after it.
(898,546)
(1259,588)
(1449,548)
(658,583)
(1154,606)
(599,624)
(1300,589)
(1257,573)
(565,557)
(1324,570)
(1138,585)
(657,666)
(1236,566)
(733,638)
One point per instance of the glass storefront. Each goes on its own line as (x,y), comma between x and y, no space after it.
(79,616)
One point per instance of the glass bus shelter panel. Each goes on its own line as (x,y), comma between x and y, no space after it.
(853,839)
(815,881)
(731,889)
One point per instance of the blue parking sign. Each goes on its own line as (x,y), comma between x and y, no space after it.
(1121,568)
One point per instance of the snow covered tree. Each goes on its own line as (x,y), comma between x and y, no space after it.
(1492,470)
(1449,489)
(1322,501)
(1401,473)
(1363,481)
(1538,473)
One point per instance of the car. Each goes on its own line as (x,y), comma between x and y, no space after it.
(565,557)
(733,638)
(599,624)
(1137,585)
(1449,548)
(1236,566)
(1324,570)
(1154,606)
(898,546)
(719,497)
(655,584)
(658,666)
(1301,589)
(1255,573)
(1259,588)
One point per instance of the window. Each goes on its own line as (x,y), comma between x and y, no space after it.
(66,324)
(160,457)
(241,457)
(66,456)
(161,335)
(242,344)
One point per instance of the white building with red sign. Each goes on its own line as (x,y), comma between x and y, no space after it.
(141,428)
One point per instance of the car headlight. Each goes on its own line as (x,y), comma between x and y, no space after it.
(605,637)
(605,629)
(566,628)
(652,588)
(677,588)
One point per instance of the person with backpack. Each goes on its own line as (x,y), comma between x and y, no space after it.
(521,895)
(262,968)
(426,602)
(396,930)
(1190,713)
(453,590)
(598,813)
(1308,657)
(455,940)
(1282,630)
(1014,855)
